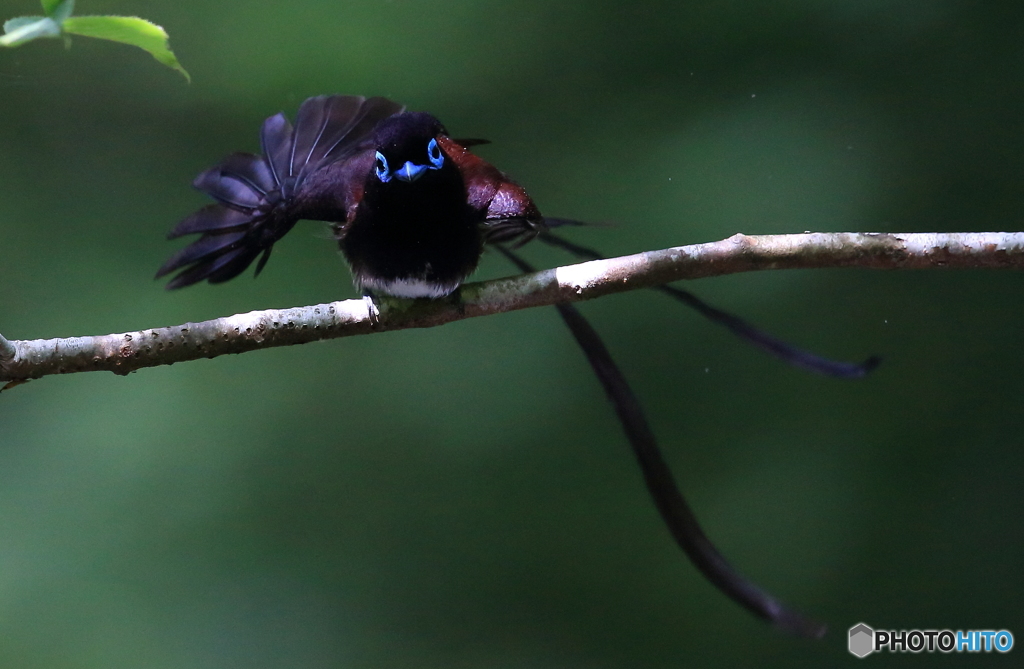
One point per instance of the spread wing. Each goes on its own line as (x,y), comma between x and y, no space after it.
(509,213)
(312,170)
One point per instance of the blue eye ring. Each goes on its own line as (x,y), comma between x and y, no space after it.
(435,155)
(380,168)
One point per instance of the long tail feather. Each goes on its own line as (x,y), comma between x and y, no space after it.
(787,353)
(674,510)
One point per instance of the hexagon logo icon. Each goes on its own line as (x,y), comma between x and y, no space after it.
(862,640)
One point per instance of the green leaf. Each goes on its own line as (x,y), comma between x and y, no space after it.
(27,28)
(60,10)
(13,24)
(127,30)
(50,6)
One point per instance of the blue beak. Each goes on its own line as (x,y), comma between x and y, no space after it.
(410,171)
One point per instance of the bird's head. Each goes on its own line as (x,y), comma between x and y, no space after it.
(407,147)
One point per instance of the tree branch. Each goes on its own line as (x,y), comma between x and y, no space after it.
(127,352)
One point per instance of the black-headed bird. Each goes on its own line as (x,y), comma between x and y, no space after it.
(411,207)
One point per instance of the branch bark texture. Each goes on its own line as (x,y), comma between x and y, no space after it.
(126,352)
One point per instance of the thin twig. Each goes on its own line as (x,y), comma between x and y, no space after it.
(127,352)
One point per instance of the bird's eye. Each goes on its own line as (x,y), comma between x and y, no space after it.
(435,155)
(380,168)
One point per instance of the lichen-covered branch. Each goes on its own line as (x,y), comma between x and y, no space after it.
(127,352)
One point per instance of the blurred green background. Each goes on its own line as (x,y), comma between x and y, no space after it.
(462,496)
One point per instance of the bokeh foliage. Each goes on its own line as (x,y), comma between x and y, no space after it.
(59,23)
(462,497)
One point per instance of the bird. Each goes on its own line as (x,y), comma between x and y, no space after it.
(412,210)
(410,207)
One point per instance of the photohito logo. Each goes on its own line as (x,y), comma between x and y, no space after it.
(864,640)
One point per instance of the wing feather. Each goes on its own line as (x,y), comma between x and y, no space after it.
(313,169)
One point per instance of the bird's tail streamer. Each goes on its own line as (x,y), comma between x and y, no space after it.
(674,510)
